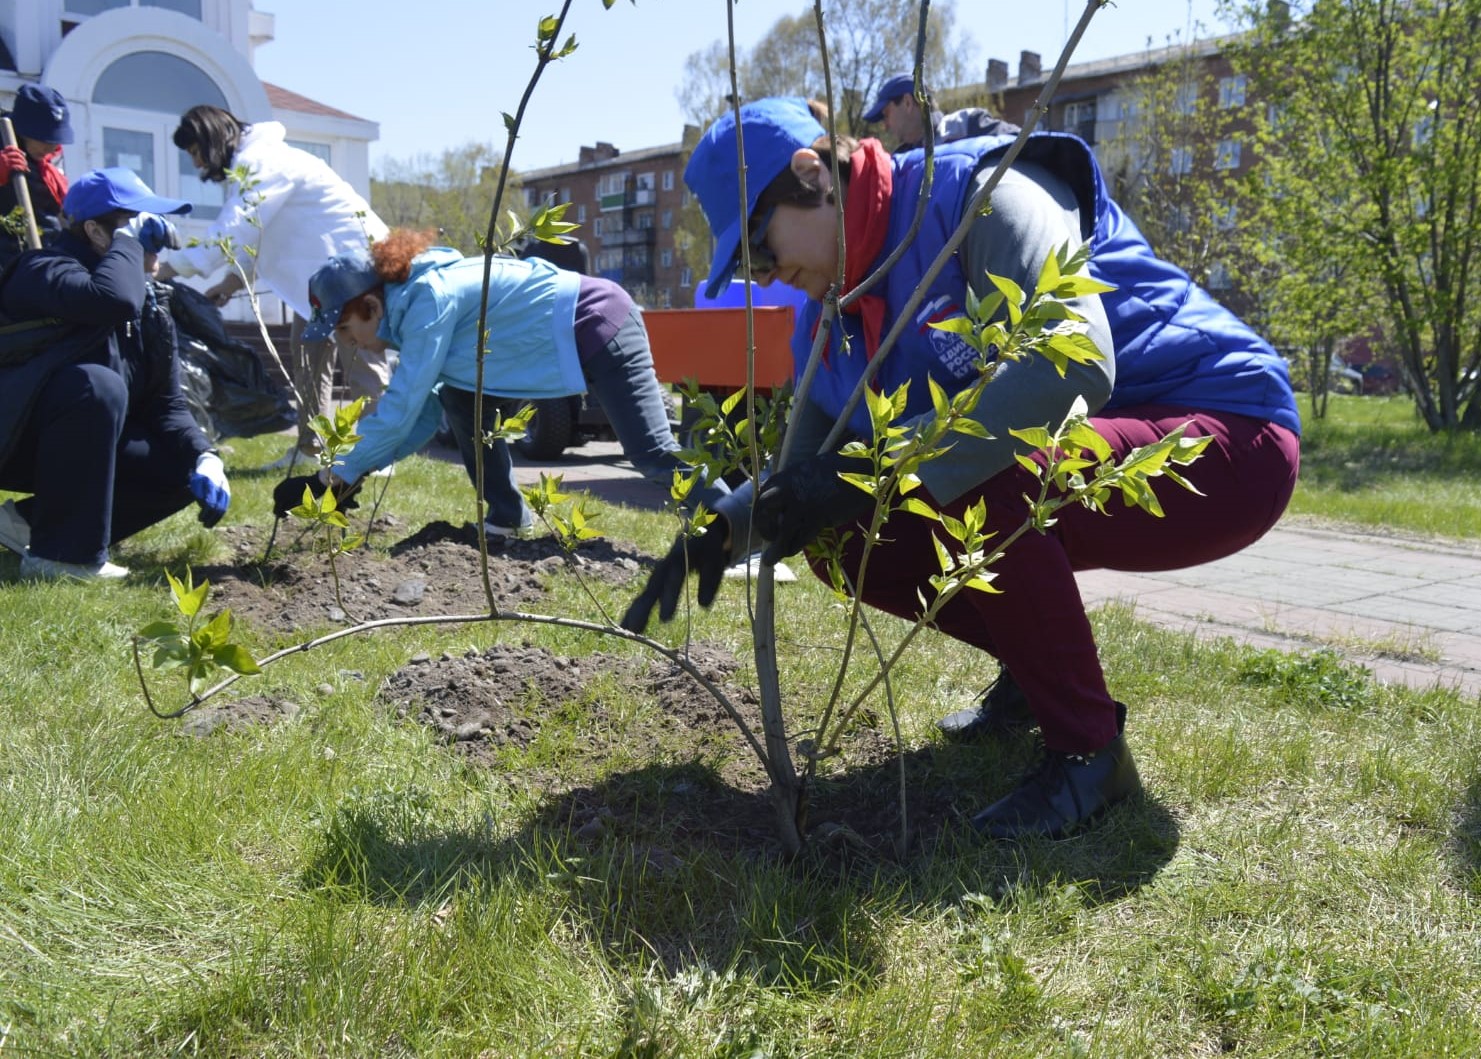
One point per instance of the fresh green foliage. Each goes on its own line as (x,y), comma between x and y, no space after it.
(1367,182)
(201,650)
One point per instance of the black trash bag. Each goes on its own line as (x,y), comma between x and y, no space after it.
(244,401)
(196,385)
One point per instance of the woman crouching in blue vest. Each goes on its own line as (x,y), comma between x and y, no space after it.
(1171,356)
(551,333)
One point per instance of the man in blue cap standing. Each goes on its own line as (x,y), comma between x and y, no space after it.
(94,424)
(901,112)
(40,120)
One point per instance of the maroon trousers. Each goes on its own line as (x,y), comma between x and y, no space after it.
(1037,626)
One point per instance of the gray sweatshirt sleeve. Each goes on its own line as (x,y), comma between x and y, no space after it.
(1033,214)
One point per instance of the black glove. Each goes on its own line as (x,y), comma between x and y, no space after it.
(796,504)
(288,494)
(707,556)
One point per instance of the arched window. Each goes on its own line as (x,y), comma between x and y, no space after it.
(97,7)
(163,86)
(156,80)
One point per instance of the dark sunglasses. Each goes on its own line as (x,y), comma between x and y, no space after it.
(762,261)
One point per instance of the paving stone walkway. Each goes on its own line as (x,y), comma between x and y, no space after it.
(1410,610)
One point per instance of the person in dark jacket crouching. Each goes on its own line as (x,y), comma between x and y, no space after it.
(95,425)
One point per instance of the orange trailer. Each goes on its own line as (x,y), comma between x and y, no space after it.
(709,346)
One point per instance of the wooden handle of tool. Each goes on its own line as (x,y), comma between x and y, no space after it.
(22,190)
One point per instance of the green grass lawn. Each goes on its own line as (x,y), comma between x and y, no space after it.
(1304,877)
(1373,462)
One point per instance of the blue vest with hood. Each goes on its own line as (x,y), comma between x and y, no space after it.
(1174,343)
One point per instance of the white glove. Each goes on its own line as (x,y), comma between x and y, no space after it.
(209,486)
(154,232)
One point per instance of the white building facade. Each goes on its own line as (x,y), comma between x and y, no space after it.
(129,68)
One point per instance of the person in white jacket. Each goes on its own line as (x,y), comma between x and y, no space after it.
(296,213)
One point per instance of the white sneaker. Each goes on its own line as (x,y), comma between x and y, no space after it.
(34,568)
(751,566)
(15,531)
(305,462)
(388,471)
(507,532)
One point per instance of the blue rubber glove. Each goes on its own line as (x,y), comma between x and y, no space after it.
(153,232)
(210,488)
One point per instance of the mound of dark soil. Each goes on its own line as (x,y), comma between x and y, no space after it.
(434,571)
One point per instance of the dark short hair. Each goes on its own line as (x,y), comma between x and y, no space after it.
(788,189)
(111,220)
(215,134)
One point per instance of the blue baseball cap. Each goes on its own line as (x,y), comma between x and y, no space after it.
(339,280)
(773,129)
(896,87)
(116,188)
(40,113)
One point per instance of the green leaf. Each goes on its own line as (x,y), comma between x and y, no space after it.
(159,630)
(1013,297)
(960,325)
(1036,437)
(916,506)
(236,658)
(972,428)
(215,632)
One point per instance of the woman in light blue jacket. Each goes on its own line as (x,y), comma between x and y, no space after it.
(552,333)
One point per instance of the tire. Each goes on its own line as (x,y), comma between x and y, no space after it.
(551,431)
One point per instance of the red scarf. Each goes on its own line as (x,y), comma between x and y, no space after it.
(54,179)
(866,222)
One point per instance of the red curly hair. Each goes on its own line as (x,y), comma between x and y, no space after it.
(392,258)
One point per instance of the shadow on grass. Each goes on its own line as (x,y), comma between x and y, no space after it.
(670,861)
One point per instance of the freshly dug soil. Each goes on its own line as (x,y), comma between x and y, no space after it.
(434,571)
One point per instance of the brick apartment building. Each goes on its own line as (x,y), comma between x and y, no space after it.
(628,207)
(628,203)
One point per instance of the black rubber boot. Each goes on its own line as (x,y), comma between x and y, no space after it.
(1064,793)
(1003,709)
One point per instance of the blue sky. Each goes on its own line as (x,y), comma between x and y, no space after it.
(438,73)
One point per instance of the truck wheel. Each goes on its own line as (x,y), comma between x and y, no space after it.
(550,432)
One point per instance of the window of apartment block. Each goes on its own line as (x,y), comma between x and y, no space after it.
(1079,118)
(668,180)
(666,258)
(565,195)
(1226,216)
(532,197)
(668,219)
(596,227)
(1186,101)
(665,298)
(1179,220)
(581,214)
(1226,155)
(1180,163)
(645,220)
(1231,90)
(686,278)
(1218,276)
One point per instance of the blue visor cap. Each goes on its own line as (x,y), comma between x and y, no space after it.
(895,88)
(341,279)
(105,190)
(773,129)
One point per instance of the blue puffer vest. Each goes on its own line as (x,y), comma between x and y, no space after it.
(1174,343)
